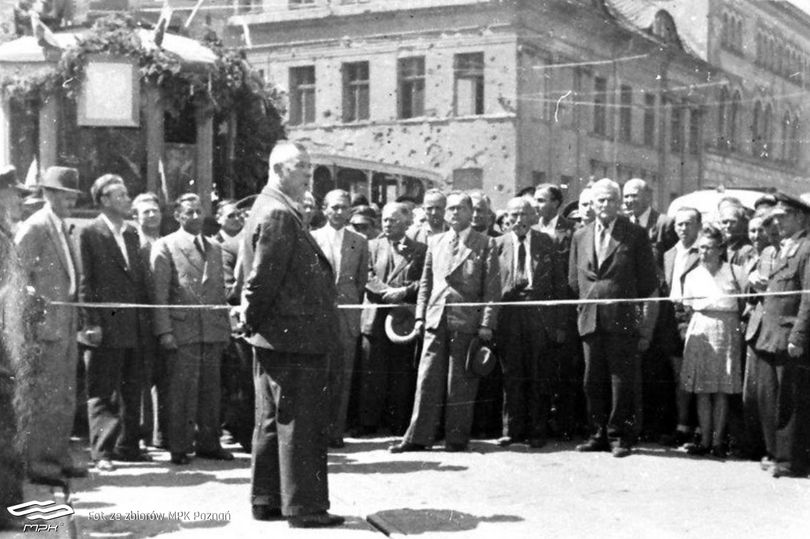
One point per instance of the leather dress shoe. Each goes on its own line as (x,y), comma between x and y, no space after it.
(180,459)
(138,456)
(216,454)
(621,451)
(593,445)
(74,471)
(455,448)
(537,443)
(317,520)
(406,447)
(265,512)
(785,470)
(505,441)
(105,465)
(697,449)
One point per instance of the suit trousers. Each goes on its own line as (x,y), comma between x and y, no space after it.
(11,466)
(289,468)
(194,397)
(569,400)
(387,383)
(759,389)
(114,378)
(48,389)
(610,379)
(153,407)
(443,383)
(341,369)
(784,407)
(527,373)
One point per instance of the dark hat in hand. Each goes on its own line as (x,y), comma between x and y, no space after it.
(8,179)
(400,325)
(61,179)
(481,358)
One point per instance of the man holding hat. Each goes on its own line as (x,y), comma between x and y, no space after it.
(778,336)
(51,264)
(387,373)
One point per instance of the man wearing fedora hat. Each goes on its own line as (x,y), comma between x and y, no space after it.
(778,337)
(50,261)
(12,299)
(387,373)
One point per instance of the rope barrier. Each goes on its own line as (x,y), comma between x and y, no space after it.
(356,306)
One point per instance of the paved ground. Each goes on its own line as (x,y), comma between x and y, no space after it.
(488,492)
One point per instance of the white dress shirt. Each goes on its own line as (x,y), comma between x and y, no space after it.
(118,235)
(550,228)
(60,231)
(334,244)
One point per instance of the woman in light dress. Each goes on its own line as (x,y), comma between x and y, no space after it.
(711,360)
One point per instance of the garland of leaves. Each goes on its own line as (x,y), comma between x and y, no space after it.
(221,84)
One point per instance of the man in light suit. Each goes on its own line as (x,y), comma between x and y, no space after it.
(461,265)
(679,261)
(611,259)
(347,251)
(291,320)
(387,372)
(529,272)
(778,337)
(49,258)
(113,272)
(187,270)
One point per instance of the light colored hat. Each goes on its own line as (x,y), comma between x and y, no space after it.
(61,179)
(399,325)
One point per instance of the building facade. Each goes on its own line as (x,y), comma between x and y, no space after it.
(501,95)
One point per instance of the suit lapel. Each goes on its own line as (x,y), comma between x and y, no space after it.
(509,257)
(60,251)
(404,260)
(381,255)
(464,250)
(190,252)
(616,237)
(588,239)
(112,245)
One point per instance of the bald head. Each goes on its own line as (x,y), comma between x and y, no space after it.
(290,169)
(637,196)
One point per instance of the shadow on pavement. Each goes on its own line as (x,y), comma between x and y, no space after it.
(415,521)
(159,478)
(359,445)
(392,467)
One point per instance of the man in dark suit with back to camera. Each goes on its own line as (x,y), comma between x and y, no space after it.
(461,265)
(290,315)
(529,272)
(187,270)
(113,272)
(778,337)
(610,259)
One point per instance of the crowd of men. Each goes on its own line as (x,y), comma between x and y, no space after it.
(312,299)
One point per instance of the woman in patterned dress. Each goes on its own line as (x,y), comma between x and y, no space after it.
(711,360)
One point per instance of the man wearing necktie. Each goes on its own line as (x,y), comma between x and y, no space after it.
(187,270)
(47,379)
(387,372)
(461,266)
(529,272)
(347,251)
(113,272)
(610,259)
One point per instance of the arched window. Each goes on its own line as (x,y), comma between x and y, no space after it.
(756,138)
(722,110)
(725,30)
(765,134)
(732,121)
(787,133)
(795,140)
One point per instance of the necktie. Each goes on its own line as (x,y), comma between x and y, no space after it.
(521,280)
(198,243)
(601,248)
(634,219)
(454,245)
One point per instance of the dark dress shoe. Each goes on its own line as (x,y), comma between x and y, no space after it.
(621,451)
(74,472)
(455,448)
(216,454)
(265,512)
(336,443)
(318,520)
(180,459)
(132,457)
(697,450)
(505,441)
(593,445)
(537,443)
(786,470)
(719,452)
(406,447)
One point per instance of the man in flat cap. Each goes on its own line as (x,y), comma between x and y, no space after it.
(778,336)
(51,263)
